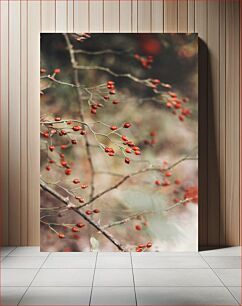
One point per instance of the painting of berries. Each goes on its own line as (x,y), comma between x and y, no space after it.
(119,142)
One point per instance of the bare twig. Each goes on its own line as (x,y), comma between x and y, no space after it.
(66,201)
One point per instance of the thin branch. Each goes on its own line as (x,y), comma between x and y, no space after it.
(145,212)
(101,52)
(126,177)
(66,201)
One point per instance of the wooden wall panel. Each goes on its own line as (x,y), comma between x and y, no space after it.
(61,16)
(213,122)
(23,124)
(171,16)
(217,23)
(4,162)
(14,122)
(201,28)
(157,16)
(33,132)
(232,123)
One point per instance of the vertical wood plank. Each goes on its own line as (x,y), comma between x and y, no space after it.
(33,121)
(201,29)
(222,141)
(4,122)
(134,16)
(232,122)
(111,16)
(48,16)
(70,16)
(96,16)
(24,125)
(144,16)
(213,124)
(170,16)
(61,16)
(81,16)
(157,14)
(125,16)
(191,16)
(183,16)
(14,122)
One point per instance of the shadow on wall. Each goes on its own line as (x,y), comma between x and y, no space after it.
(210,226)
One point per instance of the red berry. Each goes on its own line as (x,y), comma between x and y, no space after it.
(47,168)
(57,118)
(124,138)
(158,182)
(106,97)
(93,111)
(112,92)
(149,245)
(63,163)
(51,161)
(83,132)
(137,153)
(181,118)
(110,83)
(177,182)
(63,147)
(68,171)
(127,160)
(168,173)
(46,134)
(74,141)
(80,225)
(76,181)
(51,148)
(165,183)
(96,210)
(115,102)
(57,70)
(69,122)
(135,148)
(76,128)
(169,105)
(138,249)
(128,150)
(138,227)
(156,81)
(126,125)
(61,235)
(84,186)
(111,153)
(53,132)
(141,246)
(113,128)
(75,229)
(107,150)
(62,132)
(88,212)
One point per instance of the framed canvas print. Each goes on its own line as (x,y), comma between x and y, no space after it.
(119,142)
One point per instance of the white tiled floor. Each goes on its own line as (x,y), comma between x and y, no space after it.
(29,277)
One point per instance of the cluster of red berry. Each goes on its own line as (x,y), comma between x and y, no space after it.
(90,212)
(152,140)
(74,229)
(145,61)
(176,104)
(142,247)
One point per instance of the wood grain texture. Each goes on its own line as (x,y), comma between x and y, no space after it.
(14,122)
(111,17)
(33,51)
(157,16)
(4,113)
(222,122)
(23,125)
(144,16)
(232,123)
(213,123)
(182,23)
(217,24)
(96,16)
(171,16)
(201,29)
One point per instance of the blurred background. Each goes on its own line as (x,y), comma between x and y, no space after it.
(163,125)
